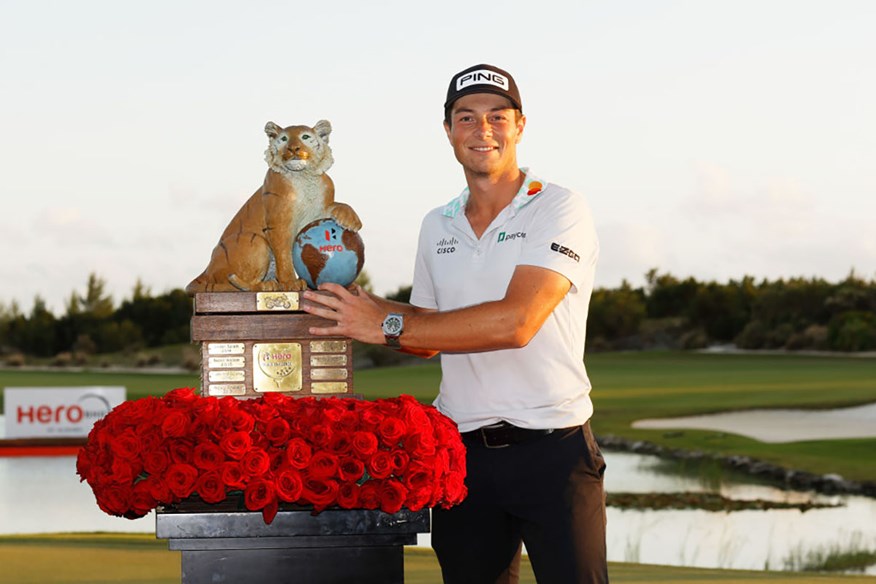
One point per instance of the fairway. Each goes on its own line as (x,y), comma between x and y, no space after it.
(632,386)
(141,559)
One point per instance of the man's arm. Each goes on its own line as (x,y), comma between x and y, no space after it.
(511,322)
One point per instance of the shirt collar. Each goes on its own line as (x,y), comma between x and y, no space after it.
(529,190)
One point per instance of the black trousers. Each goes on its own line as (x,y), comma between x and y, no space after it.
(547,493)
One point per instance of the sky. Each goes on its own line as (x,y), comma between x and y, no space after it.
(712,138)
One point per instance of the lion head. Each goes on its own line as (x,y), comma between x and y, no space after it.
(299,148)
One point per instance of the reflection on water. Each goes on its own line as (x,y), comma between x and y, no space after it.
(43,495)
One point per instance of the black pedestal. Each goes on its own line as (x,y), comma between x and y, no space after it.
(335,546)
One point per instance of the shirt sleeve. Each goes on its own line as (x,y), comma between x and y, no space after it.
(563,237)
(423,287)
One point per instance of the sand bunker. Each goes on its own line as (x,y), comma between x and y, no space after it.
(780,425)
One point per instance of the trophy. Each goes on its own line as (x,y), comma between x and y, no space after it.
(289,235)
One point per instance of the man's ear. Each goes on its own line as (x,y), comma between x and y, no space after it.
(447,129)
(521,123)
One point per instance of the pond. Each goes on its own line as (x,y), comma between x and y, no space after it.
(43,495)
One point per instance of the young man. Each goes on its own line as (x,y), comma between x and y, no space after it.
(501,289)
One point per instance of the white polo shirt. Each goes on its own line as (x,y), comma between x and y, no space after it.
(541,385)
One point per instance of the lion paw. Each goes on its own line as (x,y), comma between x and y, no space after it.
(346,217)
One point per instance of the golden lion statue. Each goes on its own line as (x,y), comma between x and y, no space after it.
(255,250)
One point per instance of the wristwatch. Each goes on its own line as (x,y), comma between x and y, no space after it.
(393,326)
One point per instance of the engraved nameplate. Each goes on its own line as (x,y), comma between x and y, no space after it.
(227,389)
(226,362)
(225,348)
(328,360)
(328,387)
(328,374)
(276,367)
(276,301)
(231,375)
(328,346)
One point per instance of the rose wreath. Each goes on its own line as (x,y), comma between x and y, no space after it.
(273,450)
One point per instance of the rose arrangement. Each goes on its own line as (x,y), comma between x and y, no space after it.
(354,454)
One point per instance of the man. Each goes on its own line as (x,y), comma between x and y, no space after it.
(501,289)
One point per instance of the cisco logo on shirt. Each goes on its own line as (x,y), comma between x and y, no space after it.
(446,245)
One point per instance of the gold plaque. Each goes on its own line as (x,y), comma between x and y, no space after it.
(328,346)
(328,373)
(227,389)
(329,387)
(232,375)
(276,301)
(276,367)
(226,362)
(225,348)
(328,360)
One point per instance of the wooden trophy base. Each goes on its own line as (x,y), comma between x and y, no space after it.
(254,343)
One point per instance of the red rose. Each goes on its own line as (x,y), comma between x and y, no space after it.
(142,501)
(180,450)
(420,444)
(208,456)
(370,417)
(256,462)
(380,465)
(348,422)
(391,431)
(418,476)
(236,444)
(298,453)
(175,424)
(210,487)
(125,445)
(277,431)
(348,495)
(158,489)
(261,494)
(351,469)
(364,444)
(124,471)
(232,474)
(320,492)
(241,421)
(323,465)
(320,435)
(417,499)
(341,443)
(392,496)
(400,461)
(183,396)
(180,479)
(454,490)
(369,497)
(114,500)
(289,485)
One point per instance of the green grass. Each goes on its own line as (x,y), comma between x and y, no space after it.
(631,386)
(141,559)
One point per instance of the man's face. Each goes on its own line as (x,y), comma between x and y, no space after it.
(484,131)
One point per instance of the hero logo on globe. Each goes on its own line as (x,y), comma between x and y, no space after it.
(482,76)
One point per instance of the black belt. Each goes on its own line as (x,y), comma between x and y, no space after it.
(503,434)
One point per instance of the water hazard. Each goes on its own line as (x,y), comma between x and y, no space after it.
(44,495)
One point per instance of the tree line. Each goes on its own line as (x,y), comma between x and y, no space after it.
(667,312)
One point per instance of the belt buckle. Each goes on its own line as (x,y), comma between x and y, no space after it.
(486,441)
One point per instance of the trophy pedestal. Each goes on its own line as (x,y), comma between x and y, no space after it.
(335,546)
(254,343)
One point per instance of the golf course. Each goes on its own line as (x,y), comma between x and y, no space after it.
(626,387)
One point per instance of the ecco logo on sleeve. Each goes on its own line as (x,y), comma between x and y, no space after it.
(565,251)
(482,76)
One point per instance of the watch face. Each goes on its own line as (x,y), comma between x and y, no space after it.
(392,325)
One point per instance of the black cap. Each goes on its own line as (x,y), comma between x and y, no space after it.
(482,79)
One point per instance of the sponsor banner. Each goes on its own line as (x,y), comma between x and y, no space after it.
(57,412)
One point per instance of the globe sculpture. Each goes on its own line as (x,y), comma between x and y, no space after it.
(325,252)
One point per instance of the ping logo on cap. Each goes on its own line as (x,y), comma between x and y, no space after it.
(482,76)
